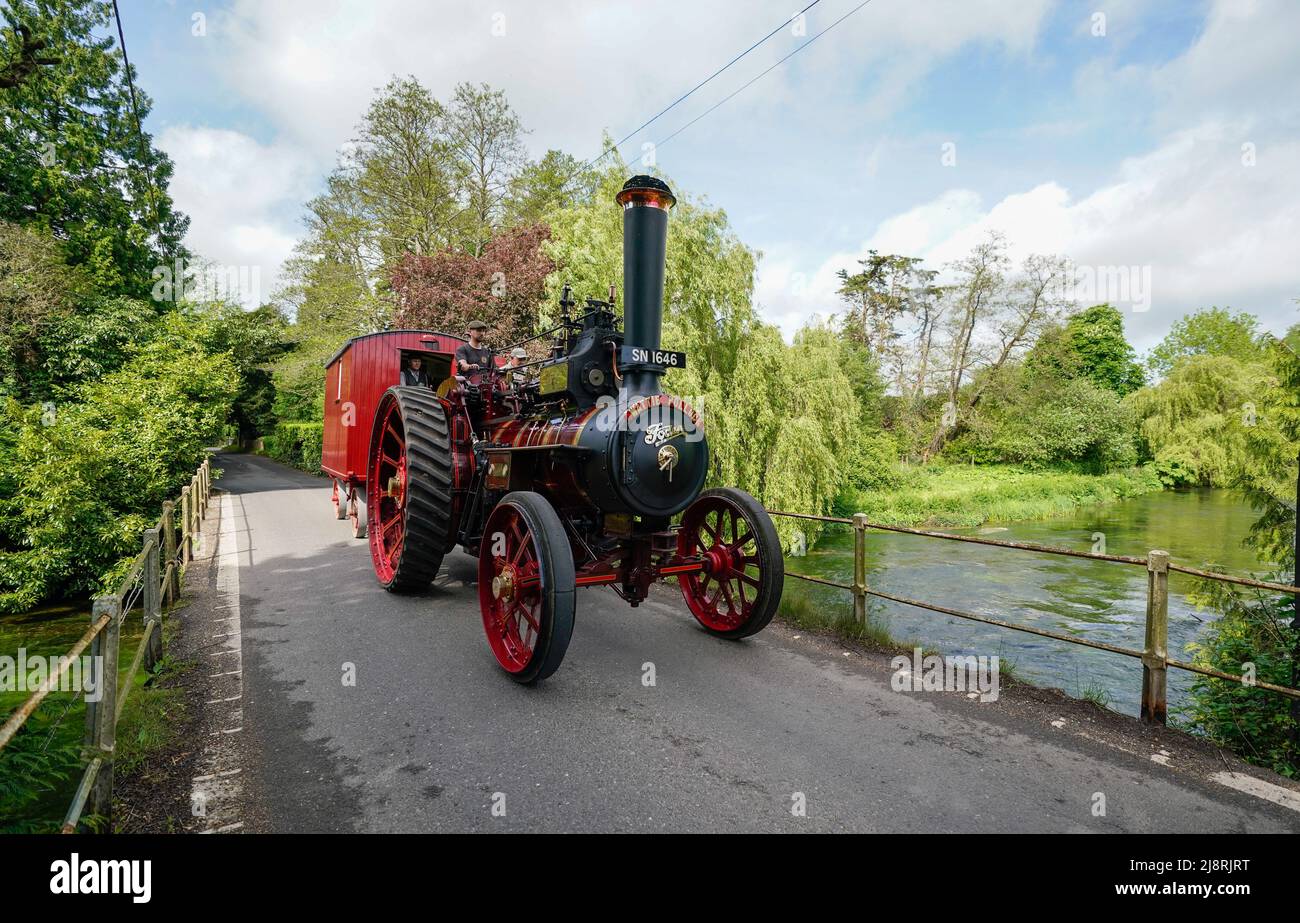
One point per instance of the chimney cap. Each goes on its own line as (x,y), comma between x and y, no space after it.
(643,189)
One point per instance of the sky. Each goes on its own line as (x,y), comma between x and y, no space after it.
(1155,144)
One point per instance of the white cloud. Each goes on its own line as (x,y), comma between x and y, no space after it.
(572,67)
(1212,228)
(1213,231)
(243,197)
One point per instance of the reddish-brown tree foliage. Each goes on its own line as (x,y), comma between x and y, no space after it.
(502,287)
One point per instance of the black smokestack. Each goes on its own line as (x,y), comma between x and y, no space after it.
(645,202)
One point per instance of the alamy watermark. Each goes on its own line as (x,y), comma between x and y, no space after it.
(978,676)
(188,281)
(659,417)
(75,674)
(1121,286)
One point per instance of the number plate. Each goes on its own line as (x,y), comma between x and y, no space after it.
(639,355)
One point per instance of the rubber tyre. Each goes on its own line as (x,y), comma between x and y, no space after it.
(426,507)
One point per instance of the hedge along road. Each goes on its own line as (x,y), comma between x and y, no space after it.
(732,736)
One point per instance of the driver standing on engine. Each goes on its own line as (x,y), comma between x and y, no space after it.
(473,358)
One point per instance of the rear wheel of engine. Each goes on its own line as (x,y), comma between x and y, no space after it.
(737,593)
(408,489)
(339,500)
(526,586)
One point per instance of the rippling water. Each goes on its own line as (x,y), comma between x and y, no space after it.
(1100,601)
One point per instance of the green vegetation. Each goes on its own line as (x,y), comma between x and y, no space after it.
(296,444)
(971,495)
(154,715)
(799,611)
(37,767)
(1252,631)
(108,395)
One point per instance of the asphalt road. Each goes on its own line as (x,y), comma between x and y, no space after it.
(433,735)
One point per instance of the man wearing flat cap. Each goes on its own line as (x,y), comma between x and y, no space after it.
(472,358)
(518,356)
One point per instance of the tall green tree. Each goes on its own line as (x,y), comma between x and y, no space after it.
(486,138)
(1210,332)
(1093,346)
(399,174)
(73,163)
(1198,420)
(557,181)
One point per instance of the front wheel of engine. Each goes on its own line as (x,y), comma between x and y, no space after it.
(526,586)
(738,591)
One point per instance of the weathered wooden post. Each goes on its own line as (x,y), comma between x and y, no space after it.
(196,521)
(101,715)
(169,551)
(203,479)
(152,601)
(187,520)
(860,568)
(1156,653)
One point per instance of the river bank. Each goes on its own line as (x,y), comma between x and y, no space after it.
(972,495)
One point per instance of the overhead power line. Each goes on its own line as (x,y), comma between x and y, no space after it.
(139,129)
(688,93)
(764,73)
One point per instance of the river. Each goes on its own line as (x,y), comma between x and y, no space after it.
(1097,600)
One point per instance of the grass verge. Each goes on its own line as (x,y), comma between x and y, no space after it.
(971,495)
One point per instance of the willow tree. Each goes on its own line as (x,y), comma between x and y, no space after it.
(709,282)
(1197,422)
(1252,631)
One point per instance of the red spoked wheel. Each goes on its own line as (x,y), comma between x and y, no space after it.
(740,587)
(526,586)
(408,489)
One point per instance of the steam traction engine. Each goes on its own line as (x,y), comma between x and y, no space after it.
(564,473)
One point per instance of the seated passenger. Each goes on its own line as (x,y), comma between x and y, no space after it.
(414,373)
(518,356)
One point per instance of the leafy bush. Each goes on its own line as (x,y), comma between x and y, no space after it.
(1252,722)
(871,461)
(1175,468)
(34,767)
(83,478)
(296,444)
(1043,422)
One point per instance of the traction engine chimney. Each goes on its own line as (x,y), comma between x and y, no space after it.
(645,201)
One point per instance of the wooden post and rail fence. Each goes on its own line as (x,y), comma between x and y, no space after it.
(1154,654)
(153,582)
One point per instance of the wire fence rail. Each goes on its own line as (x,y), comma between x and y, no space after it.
(152,581)
(1154,653)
